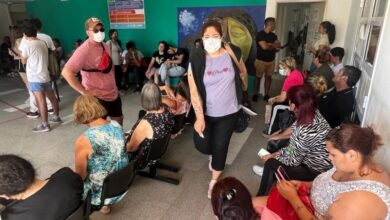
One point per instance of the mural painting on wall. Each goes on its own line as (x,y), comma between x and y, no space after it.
(240,25)
(126,14)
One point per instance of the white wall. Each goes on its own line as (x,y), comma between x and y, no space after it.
(378,109)
(336,11)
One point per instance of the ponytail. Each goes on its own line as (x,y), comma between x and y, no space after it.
(330,30)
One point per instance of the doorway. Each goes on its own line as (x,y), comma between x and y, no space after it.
(297,25)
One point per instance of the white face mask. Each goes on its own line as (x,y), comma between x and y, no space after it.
(282,72)
(98,37)
(212,45)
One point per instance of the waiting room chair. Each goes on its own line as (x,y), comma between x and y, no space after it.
(117,183)
(156,151)
(82,212)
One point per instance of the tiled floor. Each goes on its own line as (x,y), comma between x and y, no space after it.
(146,199)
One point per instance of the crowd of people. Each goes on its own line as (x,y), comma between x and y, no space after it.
(318,149)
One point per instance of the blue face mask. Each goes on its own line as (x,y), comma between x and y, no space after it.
(282,72)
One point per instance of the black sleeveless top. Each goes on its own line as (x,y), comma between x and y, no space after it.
(162,125)
(59,198)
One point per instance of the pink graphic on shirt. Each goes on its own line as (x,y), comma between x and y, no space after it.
(217,72)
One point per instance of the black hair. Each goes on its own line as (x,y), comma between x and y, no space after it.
(36,22)
(130,44)
(79,41)
(353,74)
(198,40)
(330,30)
(111,32)
(212,23)
(57,41)
(183,88)
(337,52)
(16,174)
(269,19)
(29,29)
(165,45)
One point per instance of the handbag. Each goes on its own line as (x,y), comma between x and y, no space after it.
(280,206)
(283,120)
(275,145)
(242,121)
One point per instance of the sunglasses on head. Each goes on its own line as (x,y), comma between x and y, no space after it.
(96,30)
(217,19)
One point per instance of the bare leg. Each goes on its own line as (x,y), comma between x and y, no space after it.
(267,84)
(54,102)
(215,175)
(41,99)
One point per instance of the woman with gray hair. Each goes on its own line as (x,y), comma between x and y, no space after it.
(156,122)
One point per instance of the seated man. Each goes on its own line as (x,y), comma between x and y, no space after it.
(175,65)
(37,199)
(133,61)
(338,105)
(336,58)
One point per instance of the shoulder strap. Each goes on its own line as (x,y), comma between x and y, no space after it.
(240,67)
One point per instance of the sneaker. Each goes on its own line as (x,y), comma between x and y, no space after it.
(32,114)
(56,120)
(266,97)
(258,170)
(210,160)
(105,210)
(255,98)
(50,111)
(41,128)
(211,186)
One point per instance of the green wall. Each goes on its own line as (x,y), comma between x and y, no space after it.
(65,20)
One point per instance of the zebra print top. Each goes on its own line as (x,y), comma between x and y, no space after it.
(307,146)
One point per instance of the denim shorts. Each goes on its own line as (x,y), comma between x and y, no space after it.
(39,87)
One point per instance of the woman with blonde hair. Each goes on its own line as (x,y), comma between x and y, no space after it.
(100,150)
(319,85)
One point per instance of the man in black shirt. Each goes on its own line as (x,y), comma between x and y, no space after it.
(267,46)
(338,105)
(175,64)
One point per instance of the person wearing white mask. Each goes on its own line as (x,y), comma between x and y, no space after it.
(216,84)
(288,68)
(93,60)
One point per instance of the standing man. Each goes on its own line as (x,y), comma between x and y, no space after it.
(35,56)
(267,46)
(336,58)
(37,24)
(93,60)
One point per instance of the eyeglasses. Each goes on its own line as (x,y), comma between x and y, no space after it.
(96,30)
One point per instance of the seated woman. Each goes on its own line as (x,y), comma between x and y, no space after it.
(100,150)
(175,65)
(360,185)
(287,67)
(37,199)
(319,85)
(156,123)
(230,199)
(305,156)
(158,58)
(178,102)
(321,58)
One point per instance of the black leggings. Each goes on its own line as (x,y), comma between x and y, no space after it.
(301,172)
(118,76)
(216,139)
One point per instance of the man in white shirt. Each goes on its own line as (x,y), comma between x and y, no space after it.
(35,56)
(336,58)
(33,113)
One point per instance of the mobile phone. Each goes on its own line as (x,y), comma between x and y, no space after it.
(281,174)
(262,152)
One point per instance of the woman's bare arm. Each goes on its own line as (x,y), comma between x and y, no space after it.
(142,131)
(83,149)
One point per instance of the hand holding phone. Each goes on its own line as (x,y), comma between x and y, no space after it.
(262,152)
(281,174)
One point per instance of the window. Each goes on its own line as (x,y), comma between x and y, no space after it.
(380,8)
(366,9)
(373,43)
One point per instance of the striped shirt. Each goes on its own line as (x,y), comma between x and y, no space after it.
(307,145)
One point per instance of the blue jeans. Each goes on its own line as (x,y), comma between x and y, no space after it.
(39,87)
